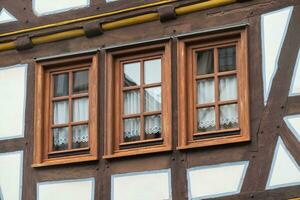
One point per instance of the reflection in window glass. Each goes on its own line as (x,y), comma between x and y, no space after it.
(61,112)
(227,59)
(61,85)
(80,82)
(206,91)
(152,99)
(206,119)
(205,62)
(131,102)
(152,71)
(132,74)
(80,109)
(229,116)
(131,129)
(80,136)
(60,139)
(153,126)
(228,88)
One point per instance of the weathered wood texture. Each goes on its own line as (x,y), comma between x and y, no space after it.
(266,122)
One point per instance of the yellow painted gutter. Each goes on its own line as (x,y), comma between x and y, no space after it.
(202,6)
(87,18)
(119,23)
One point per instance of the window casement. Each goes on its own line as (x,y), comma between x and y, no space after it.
(138,100)
(66,110)
(213,91)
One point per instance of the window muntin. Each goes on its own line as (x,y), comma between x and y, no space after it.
(213,99)
(215,79)
(70,110)
(138,100)
(141,100)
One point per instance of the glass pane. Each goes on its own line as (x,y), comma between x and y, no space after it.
(132,74)
(80,109)
(80,136)
(152,99)
(131,102)
(81,81)
(60,139)
(229,116)
(152,71)
(228,88)
(60,112)
(205,62)
(131,129)
(206,119)
(227,60)
(153,126)
(206,91)
(61,85)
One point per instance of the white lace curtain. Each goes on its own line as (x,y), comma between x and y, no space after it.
(229,116)
(228,88)
(61,116)
(153,124)
(132,106)
(61,112)
(206,91)
(228,113)
(131,102)
(60,138)
(80,136)
(131,128)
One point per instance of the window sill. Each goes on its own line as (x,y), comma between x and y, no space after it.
(214,141)
(65,160)
(138,151)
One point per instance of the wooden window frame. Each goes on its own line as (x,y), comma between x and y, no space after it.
(187,97)
(113,119)
(44,71)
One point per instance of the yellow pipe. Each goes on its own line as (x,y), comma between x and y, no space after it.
(202,6)
(57,36)
(86,18)
(7,46)
(119,23)
(130,21)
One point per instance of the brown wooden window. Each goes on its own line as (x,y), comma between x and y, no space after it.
(213,89)
(66,110)
(138,100)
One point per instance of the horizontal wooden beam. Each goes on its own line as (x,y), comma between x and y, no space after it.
(78,32)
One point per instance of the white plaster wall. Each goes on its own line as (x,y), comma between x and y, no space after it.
(46,7)
(274,27)
(81,189)
(216,180)
(11,167)
(284,170)
(295,85)
(6,16)
(12,101)
(147,185)
(293,123)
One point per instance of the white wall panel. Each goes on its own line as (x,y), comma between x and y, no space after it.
(6,16)
(284,170)
(293,123)
(295,85)
(11,167)
(147,185)
(12,101)
(274,26)
(216,180)
(81,189)
(46,7)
